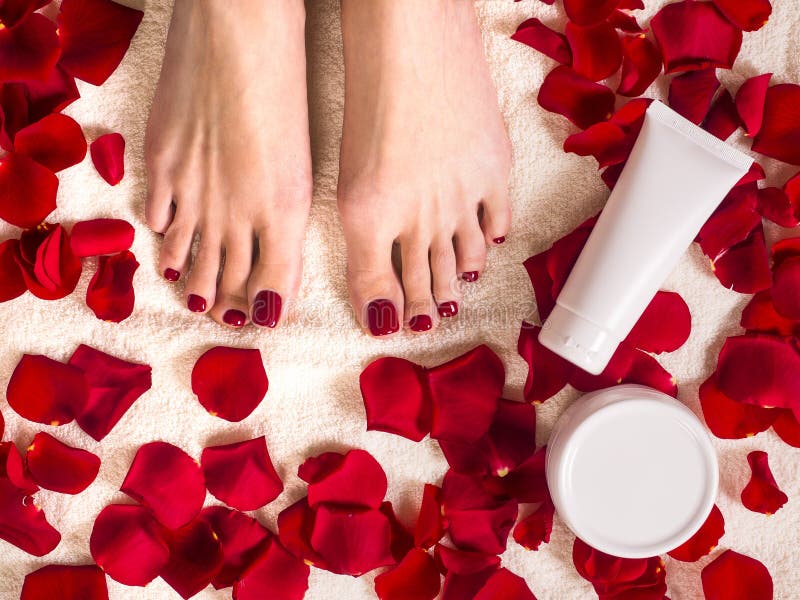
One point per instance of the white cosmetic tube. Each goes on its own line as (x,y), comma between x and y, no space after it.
(677,174)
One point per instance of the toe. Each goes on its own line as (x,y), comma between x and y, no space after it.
(420,309)
(230,304)
(158,206)
(470,245)
(201,286)
(496,218)
(177,245)
(445,282)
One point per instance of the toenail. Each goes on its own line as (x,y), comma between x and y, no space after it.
(172,274)
(382,317)
(235,318)
(196,303)
(470,276)
(499,240)
(448,309)
(420,323)
(266,308)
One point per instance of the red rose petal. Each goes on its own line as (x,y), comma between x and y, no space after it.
(46,391)
(691,93)
(95,35)
(786,288)
(352,479)
(787,426)
(744,268)
(755,173)
(23,524)
(732,420)
(127,543)
(748,15)
(664,326)
(28,50)
(50,95)
(295,526)
(704,541)
(195,556)
(548,373)
(625,22)
(458,587)
(56,466)
(694,35)
(760,316)
(506,585)
(750,101)
(534,530)
(540,37)
(641,64)
(396,398)
(402,539)
(168,481)
(580,100)
(275,574)
(527,483)
(14,11)
(779,136)
(588,12)
(774,204)
(596,50)
(430,525)
(68,582)
(762,494)
(114,385)
(415,578)
(604,141)
(27,190)
(785,249)
(56,142)
(108,156)
(12,283)
(722,119)
(101,236)
(230,382)
(641,578)
(241,474)
(110,294)
(50,269)
(733,576)
(464,394)
(13,469)
(463,562)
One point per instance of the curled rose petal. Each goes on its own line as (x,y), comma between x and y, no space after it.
(641,64)
(295,526)
(704,541)
(774,204)
(580,100)
(786,288)
(540,37)
(195,556)
(625,22)
(101,236)
(762,494)
(732,420)
(506,585)
(127,543)
(744,268)
(779,136)
(694,35)
(168,481)
(50,269)
(402,539)
(95,35)
(27,190)
(430,525)
(734,576)
(241,474)
(463,562)
(24,524)
(617,577)
(56,466)
(691,93)
(548,373)
(605,141)
(56,582)
(108,156)
(596,50)
(588,12)
(41,98)
(416,577)
(230,382)
(13,469)
(760,316)
(12,283)
(110,294)
(722,119)
(534,530)
(750,101)
(748,15)
(352,479)
(787,426)
(29,50)
(56,141)
(275,574)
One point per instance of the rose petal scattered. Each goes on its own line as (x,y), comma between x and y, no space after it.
(580,100)
(534,530)
(506,585)
(612,577)
(13,469)
(641,62)
(27,190)
(748,15)
(430,525)
(458,587)
(295,526)
(110,294)
(588,12)
(12,283)
(760,316)
(734,576)
(416,577)
(230,382)
(787,426)
(664,326)
(744,268)
(786,288)
(464,562)
(56,142)
(351,479)
(704,541)
(774,204)
(29,50)
(67,582)
(108,156)
(779,136)
(56,466)
(45,259)
(46,391)
(604,141)
(101,236)
(540,37)
(722,119)
(402,538)
(750,102)
(691,93)
(732,420)
(732,222)
(275,574)
(596,50)
(762,494)
(195,556)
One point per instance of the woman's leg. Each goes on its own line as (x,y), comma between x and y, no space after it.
(425,158)
(228,156)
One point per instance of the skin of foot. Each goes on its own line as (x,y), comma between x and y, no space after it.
(425,160)
(228,157)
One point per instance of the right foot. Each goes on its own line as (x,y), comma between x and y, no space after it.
(228,156)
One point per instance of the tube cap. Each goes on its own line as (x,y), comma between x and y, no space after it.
(578,340)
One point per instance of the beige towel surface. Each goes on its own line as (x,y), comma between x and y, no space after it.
(313,363)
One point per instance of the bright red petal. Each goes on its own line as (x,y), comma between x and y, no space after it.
(295,526)
(588,12)
(50,269)
(722,119)
(734,576)
(128,544)
(23,524)
(458,587)
(787,426)
(13,469)
(168,481)
(430,525)
(12,283)
(534,530)
(732,420)
(596,50)
(626,22)
(605,141)
(241,474)
(750,101)
(580,100)
(774,204)
(275,574)
(27,190)
(195,556)
(535,34)
(613,577)
(67,582)
(744,268)
(15,11)
(56,142)
(762,494)
(779,136)
(110,294)
(95,35)
(731,222)
(641,64)
(56,466)
(352,479)
(664,326)
(704,541)
(29,50)
(415,578)
(760,316)
(506,585)
(101,236)
(51,95)
(463,562)
(108,156)
(230,382)
(748,15)
(691,93)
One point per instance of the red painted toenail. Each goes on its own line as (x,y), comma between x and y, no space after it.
(235,318)
(470,276)
(266,308)
(382,317)
(420,323)
(499,240)
(448,309)
(172,274)
(196,303)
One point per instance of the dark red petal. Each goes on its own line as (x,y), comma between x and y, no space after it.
(760,369)
(762,494)
(539,36)
(464,394)
(128,544)
(168,481)
(275,574)
(588,12)
(13,469)
(691,93)
(694,35)
(352,541)
(241,474)
(774,204)
(56,142)
(430,525)
(534,530)
(641,63)
(50,269)
(744,268)
(114,385)
(23,524)
(14,11)
(95,35)
(12,283)
(27,190)
(108,156)
(792,189)
(46,391)
(628,365)
(785,289)
(755,173)
(65,582)
(760,316)
(722,119)
(415,578)
(664,326)
(195,556)
(28,50)
(732,420)
(596,50)
(463,562)
(733,576)
(51,95)
(402,538)
(787,426)
(101,236)
(562,255)
(526,483)
(785,249)
(606,142)
(396,398)
(625,22)
(704,541)
(56,466)
(640,578)
(295,526)
(110,294)
(230,382)
(750,100)
(506,585)
(779,136)
(458,587)
(580,100)
(748,15)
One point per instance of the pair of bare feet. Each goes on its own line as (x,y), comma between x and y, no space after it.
(424,158)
